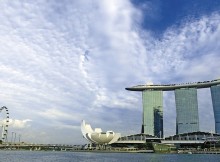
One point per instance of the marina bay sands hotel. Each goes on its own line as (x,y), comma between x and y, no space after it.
(187,117)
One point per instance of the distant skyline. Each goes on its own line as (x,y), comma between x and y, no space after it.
(65,61)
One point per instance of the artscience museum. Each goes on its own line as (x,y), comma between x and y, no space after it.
(97,136)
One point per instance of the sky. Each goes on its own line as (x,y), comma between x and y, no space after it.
(65,61)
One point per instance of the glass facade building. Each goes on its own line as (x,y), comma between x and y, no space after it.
(187,117)
(215,93)
(152,113)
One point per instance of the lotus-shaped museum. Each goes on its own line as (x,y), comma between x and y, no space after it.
(97,136)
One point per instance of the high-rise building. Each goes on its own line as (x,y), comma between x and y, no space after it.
(187,117)
(215,93)
(152,113)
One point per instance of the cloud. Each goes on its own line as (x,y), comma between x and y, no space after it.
(19,124)
(181,48)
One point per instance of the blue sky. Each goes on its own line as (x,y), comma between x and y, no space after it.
(65,61)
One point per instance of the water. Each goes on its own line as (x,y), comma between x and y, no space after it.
(40,156)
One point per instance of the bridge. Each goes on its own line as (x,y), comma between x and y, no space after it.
(38,147)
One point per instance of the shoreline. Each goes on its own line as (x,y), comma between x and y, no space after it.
(115,151)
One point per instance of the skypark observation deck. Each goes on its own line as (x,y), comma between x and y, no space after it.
(171,87)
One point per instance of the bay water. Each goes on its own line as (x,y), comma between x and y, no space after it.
(53,156)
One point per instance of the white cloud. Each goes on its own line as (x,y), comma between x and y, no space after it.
(19,124)
(185,47)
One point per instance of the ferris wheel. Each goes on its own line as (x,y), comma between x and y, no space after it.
(4,120)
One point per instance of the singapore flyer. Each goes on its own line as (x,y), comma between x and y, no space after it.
(4,121)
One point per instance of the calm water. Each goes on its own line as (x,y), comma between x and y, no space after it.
(35,156)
